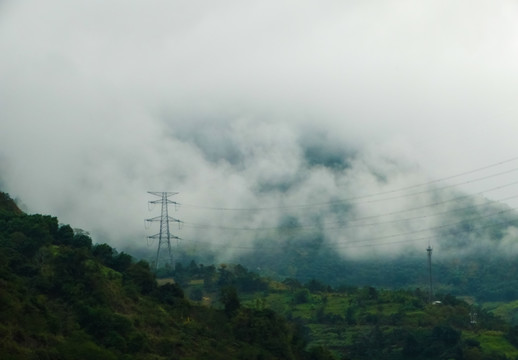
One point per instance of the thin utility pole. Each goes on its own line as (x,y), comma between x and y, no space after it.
(430,293)
(164,236)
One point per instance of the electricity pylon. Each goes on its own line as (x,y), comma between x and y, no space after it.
(164,236)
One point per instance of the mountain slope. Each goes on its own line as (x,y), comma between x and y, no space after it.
(63,298)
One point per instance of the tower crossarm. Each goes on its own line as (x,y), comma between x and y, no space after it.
(165,201)
(162,193)
(157,236)
(168,218)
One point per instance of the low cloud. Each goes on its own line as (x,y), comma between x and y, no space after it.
(299,110)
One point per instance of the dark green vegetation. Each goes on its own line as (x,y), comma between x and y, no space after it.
(360,322)
(474,255)
(474,240)
(485,275)
(63,297)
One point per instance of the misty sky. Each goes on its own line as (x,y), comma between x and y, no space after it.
(286,106)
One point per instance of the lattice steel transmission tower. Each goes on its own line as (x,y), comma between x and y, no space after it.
(164,236)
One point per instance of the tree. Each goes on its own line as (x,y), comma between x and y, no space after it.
(292,283)
(320,353)
(140,275)
(122,262)
(81,240)
(316,286)
(65,235)
(169,293)
(411,347)
(230,300)
(226,277)
(104,252)
(193,269)
(512,335)
(302,296)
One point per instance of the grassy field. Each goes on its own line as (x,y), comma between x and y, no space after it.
(378,324)
(507,311)
(337,320)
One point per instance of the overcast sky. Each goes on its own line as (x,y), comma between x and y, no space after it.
(237,104)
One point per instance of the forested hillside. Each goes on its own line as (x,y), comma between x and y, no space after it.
(63,297)
(474,254)
(349,322)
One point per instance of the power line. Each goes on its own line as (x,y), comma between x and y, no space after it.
(369,217)
(389,239)
(433,228)
(374,241)
(373,195)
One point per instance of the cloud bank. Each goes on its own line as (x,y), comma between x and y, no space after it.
(284,106)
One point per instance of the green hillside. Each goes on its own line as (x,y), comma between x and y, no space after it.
(351,322)
(474,256)
(474,244)
(63,297)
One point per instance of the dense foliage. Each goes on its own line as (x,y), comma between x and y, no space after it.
(486,274)
(61,297)
(351,322)
(474,245)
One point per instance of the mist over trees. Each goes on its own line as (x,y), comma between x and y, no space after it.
(373,239)
(64,296)
(246,107)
